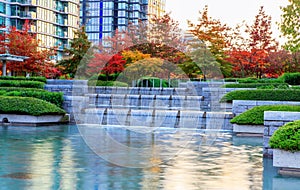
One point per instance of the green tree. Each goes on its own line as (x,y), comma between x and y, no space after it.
(79,54)
(289,26)
(204,59)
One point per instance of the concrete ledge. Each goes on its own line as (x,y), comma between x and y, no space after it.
(286,159)
(240,106)
(16,119)
(281,116)
(248,130)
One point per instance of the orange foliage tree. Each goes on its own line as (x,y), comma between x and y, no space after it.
(24,43)
(214,35)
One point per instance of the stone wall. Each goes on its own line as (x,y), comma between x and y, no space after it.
(240,106)
(272,121)
(74,91)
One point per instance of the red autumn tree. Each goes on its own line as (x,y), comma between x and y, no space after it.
(261,43)
(250,56)
(24,43)
(104,63)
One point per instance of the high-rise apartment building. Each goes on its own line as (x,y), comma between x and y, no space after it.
(102,17)
(53,21)
(156,7)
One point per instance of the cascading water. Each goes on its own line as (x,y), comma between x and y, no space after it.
(151,107)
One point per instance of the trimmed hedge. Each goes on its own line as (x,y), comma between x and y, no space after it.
(21,83)
(28,106)
(39,79)
(256,85)
(107,83)
(287,137)
(9,89)
(255,116)
(254,80)
(52,97)
(291,78)
(263,94)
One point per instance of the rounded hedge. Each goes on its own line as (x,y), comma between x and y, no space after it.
(21,83)
(52,97)
(28,106)
(263,94)
(287,137)
(255,115)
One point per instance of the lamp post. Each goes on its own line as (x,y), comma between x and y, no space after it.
(9,57)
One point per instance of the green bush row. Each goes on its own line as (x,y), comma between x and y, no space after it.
(257,85)
(263,94)
(52,97)
(107,83)
(291,78)
(287,137)
(254,80)
(143,82)
(21,83)
(39,79)
(28,105)
(255,115)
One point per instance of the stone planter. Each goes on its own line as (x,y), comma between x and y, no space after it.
(248,130)
(16,119)
(288,162)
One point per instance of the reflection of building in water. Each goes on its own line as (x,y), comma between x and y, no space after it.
(52,164)
(224,167)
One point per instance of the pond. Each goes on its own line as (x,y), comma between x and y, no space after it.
(81,157)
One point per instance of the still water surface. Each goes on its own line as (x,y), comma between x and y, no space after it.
(57,157)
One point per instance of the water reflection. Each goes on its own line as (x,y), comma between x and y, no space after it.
(57,158)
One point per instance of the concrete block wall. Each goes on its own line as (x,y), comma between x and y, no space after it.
(240,106)
(272,121)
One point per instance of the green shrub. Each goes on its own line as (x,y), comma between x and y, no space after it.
(231,79)
(28,105)
(150,80)
(287,137)
(21,83)
(39,79)
(295,87)
(111,77)
(255,115)
(266,87)
(52,97)
(263,80)
(107,83)
(263,94)
(9,89)
(254,85)
(291,78)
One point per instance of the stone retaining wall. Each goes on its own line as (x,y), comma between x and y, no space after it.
(272,121)
(240,106)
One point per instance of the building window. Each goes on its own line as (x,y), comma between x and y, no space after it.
(2,8)
(2,21)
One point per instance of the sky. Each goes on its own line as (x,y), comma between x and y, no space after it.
(230,12)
